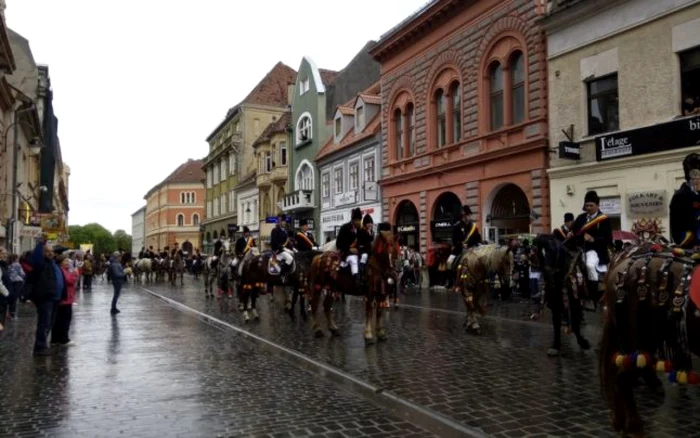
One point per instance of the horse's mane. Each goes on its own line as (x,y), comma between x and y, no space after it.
(494,256)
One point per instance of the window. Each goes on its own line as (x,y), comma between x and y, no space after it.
(338,180)
(232,164)
(268,162)
(209,209)
(217,206)
(398,134)
(496,93)
(195,220)
(411,116)
(690,81)
(603,110)
(283,153)
(305,177)
(180,220)
(216,174)
(441,103)
(456,98)
(223,169)
(182,198)
(232,201)
(338,127)
(304,129)
(224,207)
(360,117)
(304,86)
(209,178)
(369,169)
(517,72)
(354,174)
(326,185)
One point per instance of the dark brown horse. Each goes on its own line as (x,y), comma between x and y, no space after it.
(649,318)
(330,280)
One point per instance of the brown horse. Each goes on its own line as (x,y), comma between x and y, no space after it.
(474,269)
(649,318)
(329,281)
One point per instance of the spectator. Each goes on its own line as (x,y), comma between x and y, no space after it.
(87,272)
(117,274)
(4,287)
(17,277)
(64,311)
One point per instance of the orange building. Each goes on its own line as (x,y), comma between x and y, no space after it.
(464,120)
(175,208)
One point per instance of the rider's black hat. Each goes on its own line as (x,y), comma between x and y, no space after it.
(568,217)
(466,209)
(384,226)
(356,214)
(367,220)
(303,222)
(246,229)
(690,162)
(591,196)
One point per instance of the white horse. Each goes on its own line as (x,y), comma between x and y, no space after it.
(330,246)
(143,266)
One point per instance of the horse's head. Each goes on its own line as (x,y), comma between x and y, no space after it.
(385,251)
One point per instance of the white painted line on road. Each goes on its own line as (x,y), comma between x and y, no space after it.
(419,415)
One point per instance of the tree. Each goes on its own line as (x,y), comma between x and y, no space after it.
(122,240)
(96,234)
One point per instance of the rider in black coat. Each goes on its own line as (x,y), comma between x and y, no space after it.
(347,244)
(280,243)
(685,206)
(304,239)
(365,237)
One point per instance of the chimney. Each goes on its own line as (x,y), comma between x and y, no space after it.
(290,90)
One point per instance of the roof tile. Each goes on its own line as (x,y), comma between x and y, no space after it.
(276,127)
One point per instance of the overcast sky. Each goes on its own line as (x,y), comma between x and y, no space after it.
(139,84)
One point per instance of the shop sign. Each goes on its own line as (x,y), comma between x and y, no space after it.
(371,192)
(331,220)
(611,206)
(569,150)
(273,219)
(441,224)
(649,203)
(232,228)
(406,228)
(346,198)
(675,134)
(29,231)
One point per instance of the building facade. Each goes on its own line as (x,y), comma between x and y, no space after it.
(231,154)
(138,231)
(464,120)
(175,208)
(624,86)
(349,163)
(317,94)
(248,204)
(272,152)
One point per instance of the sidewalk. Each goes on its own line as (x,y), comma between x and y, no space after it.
(501,382)
(155,372)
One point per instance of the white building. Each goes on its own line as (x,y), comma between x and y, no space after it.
(138,231)
(248,209)
(349,162)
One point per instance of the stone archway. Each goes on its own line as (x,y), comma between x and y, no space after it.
(510,211)
(407,223)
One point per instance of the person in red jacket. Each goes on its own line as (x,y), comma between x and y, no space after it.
(64,310)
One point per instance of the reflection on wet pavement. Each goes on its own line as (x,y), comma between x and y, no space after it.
(155,372)
(501,382)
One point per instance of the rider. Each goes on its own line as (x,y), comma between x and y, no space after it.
(279,243)
(365,237)
(561,232)
(243,245)
(177,250)
(685,206)
(304,239)
(465,234)
(593,233)
(347,244)
(218,247)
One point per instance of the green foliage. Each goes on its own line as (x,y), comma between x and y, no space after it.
(100,237)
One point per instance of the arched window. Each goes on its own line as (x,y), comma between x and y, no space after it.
(455,97)
(180,220)
(411,117)
(305,177)
(496,93)
(398,134)
(517,72)
(441,123)
(195,219)
(304,128)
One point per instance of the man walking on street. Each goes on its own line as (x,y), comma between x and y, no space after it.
(117,273)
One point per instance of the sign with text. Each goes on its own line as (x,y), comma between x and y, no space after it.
(232,228)
(371,191)
(611,206)
(406,229)
(441,224)
(569,150)
(649,203)
(676,134)
(346,198)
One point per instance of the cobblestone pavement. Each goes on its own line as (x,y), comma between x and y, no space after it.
(153,371)
(501,382)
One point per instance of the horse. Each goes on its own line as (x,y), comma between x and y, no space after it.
(563,286)
(329,280)
(211,275)
(649,317)
(473,269)
(145,267)
(176,266)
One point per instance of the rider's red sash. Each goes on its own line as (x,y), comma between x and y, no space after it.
(590,225)
(687,240)
(303,237)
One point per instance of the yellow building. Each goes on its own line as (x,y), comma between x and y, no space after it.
(231,154)
(271,150)
(624,104)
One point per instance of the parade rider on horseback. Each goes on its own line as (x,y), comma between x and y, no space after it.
(304,239)
(243,245)
(365,237)
(465,234)
(177,250)
(561,232)
(685,206)
(592,232)
(347,244)
(280,245)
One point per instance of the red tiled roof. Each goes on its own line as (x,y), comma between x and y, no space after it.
(371,128)
(372,99)
(346,110)
(276,127)
(328,76)
(187,172)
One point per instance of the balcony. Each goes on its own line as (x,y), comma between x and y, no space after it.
(279,175)
(263,180)
(297,201)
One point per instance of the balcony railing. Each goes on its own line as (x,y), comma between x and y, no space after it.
(279,174)
(299,200)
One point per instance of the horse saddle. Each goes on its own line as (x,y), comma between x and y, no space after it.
(274,266)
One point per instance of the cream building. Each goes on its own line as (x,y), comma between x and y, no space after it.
(619,74)
(231,157)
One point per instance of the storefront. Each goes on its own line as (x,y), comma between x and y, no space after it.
(447,211)
(332,220)
(635,173)
(407,225)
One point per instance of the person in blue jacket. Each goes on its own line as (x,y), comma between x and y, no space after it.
(118,276)
(48,289)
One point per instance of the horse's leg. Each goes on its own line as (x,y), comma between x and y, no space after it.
(292,303)
(253,299)
(328,310)
(556,325)
(315,300)
(576,314)
(245,295)
(302,306)
(381,332)
(370,304)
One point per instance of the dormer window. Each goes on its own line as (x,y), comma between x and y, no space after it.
(304,86)
(303,129)
(338,127)
(360,117)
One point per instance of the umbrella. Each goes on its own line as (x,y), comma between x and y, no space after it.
(624,235)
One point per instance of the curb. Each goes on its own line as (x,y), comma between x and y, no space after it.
(404,409)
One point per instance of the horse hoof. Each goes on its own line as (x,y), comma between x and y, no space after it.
(369,341)
(256,315)
(319,333)
(335,332)
(552,352)
(304,316)
(381,335)
(246,318)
